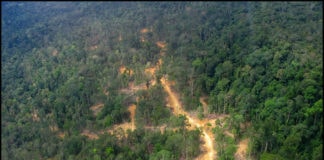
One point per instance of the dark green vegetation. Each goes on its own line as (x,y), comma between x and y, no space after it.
(259,62)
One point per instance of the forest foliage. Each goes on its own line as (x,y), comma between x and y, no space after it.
(259,62)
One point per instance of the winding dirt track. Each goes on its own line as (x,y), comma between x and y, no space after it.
(208,137)
(175,105)
(205,125)
(132,109)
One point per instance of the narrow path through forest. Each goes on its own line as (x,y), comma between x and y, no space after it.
(177,108)
(205,125)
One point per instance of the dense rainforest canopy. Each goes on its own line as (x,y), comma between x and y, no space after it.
(70,71)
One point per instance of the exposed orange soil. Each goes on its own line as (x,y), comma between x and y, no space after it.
(144,30)
(123,69)
(209,146)
(150,70)
(176,107)
(97,108)
(152,82)
(106,92)
(208,137)
(127,125)
(159,62)
(132,109)
(241,151)
(53,128)
(130,72)
(124,126)
(132,88)
(174,103)
(161,44)
(61,134)
(161,128)
(89,134)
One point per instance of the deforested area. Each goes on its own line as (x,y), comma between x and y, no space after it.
(161,80)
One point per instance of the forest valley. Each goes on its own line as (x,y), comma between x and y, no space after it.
(162,80)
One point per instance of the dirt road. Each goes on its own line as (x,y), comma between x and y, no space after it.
(205,125)
(177,108)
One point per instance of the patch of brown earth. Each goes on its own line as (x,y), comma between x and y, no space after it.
(53,128)
(61,134)
(241,151)
(132,88)
(208,147)
(123,69)
(159,62)
(124,126)
(152,82)
(132,109)
(106,92)
(177,109)
(150,71)
(96,108)
(55,52)
(205,125)
(161,128)
(161,44)
(229,134)
(144,30)
(89,134)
